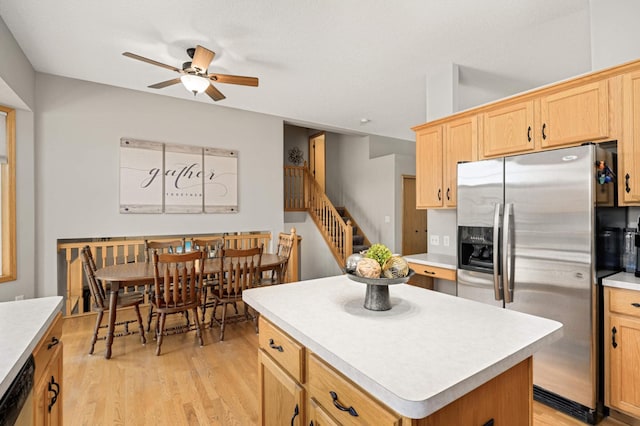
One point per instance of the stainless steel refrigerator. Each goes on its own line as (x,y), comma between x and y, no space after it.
(526,241)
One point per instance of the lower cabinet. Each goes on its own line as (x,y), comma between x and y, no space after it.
(315,394)
(622,350)
(47,391)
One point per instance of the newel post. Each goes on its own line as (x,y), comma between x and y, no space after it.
(293,271)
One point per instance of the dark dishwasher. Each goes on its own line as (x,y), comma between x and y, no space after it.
(13,400)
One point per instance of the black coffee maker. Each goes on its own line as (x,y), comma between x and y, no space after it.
(637,274)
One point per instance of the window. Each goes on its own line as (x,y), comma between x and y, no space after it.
(8,261)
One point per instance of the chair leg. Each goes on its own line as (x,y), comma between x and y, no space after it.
(198,330)
(143,338)
(95,331)
(149,317)
(160,332)
(213,313)
(204,302)
(224,317)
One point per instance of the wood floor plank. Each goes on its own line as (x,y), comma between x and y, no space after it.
(216,384)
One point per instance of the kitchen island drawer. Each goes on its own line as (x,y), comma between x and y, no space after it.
(624,301)
(343,400)
(46,347)
(433,271)
(288,353)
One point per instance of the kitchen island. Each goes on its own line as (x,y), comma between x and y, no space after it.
(428,351)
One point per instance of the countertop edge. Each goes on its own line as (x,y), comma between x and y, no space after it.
(624,280)
(411,409)
(433,259)
(28,350)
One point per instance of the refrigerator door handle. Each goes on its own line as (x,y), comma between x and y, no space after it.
(497,285)
(507,254)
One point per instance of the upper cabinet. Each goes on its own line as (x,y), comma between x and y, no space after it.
(460,144)
(508,129)
(629,145)
(579,114)
(438,151)
(429,167)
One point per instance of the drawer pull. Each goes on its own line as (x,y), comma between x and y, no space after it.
(296,411)
(489,423)
(613,337)
(341,407)
(635,305)
(54,341)
(429,272)
(272,345)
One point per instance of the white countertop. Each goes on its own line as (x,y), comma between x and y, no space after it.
(22,324)
(427,351)
(622,280)
(433,259)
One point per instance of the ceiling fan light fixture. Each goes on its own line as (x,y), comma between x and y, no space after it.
(195,84)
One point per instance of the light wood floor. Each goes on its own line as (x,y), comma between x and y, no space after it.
(187,385)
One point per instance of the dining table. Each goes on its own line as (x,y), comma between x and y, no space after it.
(142,273)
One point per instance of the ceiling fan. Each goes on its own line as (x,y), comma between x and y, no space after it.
(194,75)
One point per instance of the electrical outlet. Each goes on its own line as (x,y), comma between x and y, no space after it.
(445,241)
(20,297)
(434,240)
(387,219)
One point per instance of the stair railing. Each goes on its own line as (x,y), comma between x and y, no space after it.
(337,233)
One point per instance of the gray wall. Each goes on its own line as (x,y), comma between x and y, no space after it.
(614,32)
(78,130)
(17,91)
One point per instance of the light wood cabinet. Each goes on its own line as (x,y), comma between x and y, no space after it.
(438,151)
(508,130)
(578,114)
(281,397)
(622,350)
(460,144)
(48,387)
(629,145)
(429,168)
(328,398)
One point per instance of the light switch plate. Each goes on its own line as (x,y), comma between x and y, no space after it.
(445,241)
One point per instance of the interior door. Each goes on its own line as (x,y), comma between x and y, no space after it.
(414,221)
(317,157)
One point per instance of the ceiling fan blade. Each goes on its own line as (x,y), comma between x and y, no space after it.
(214,93)
(234,79)
(165,83)
(202,58)
(150,61)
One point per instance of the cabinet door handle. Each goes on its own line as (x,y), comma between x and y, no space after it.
(54,341)
(55,388)
(439,194)
(272,345)
(626,183)
(296,411)
(613,337)
(635,305)
(489,423)
(341,407)
(544,126)
(529,134)
(448,191)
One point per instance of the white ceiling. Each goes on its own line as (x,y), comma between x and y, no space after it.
(324,63)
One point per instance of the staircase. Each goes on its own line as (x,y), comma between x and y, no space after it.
(360,242)
(339,230)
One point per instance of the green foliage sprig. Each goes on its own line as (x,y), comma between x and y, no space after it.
(379,252)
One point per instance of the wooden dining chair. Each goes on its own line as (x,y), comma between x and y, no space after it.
(101,302)
(173,246)
(177,284)
(212,247)
(240,270)
(283,249)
